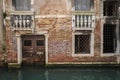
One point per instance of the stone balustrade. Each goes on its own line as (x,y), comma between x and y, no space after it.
(22,20)
(83,20)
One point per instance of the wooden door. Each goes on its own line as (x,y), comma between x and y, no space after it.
(33,48)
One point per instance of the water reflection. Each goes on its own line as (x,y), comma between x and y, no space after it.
(60,74)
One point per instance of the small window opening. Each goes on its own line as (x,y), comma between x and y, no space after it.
(27,43)
(40,42)
(84,5)
(109,8)
(82,44)
(109,38)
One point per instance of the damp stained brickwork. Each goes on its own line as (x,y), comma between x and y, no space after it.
(11,44)
(59,30)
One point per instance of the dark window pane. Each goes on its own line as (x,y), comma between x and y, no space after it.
(82,44)
(109,8)
(27,43)
(40,42)
(83,5)
(21,5)
(109,38)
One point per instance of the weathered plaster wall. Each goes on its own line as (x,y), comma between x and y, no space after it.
(50,7)
(59,30)
(60,34)
(10,44)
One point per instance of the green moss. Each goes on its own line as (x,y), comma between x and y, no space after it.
(14,65)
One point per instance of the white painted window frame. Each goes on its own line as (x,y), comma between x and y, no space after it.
(102,27)
(91,44)
(101,8)
(117,51)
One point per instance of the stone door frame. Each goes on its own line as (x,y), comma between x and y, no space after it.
(19,46)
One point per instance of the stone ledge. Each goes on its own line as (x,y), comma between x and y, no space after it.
(89,63)
(14,65)
(83,65)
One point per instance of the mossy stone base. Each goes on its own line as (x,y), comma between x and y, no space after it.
(14,65)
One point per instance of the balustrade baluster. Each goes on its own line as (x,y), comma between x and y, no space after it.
(20,21)
(24,24)
(89,21)
(16,21)
(81,20)
(28,22)
(77,20)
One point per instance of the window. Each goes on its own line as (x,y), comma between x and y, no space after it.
(21,5)
(83,5)
(82,44)
(27,43)
(40,42)
(109,38)
(110,8)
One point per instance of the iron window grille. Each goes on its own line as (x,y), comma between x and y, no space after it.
(82,44)
(109,38)
(110,8)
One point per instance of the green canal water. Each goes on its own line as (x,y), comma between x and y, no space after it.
(60,74)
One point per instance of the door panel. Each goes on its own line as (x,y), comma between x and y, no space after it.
(33,47)
(39,46)
(27,46)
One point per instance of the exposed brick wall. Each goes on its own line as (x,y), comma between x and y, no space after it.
(97,39)
(64,58)
(50,7)
(60,33)
(58,47)
(11,44)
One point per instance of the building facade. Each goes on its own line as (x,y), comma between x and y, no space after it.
(62,31)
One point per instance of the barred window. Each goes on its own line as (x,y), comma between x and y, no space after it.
(84,5)
(109,38)
(82,44)
(39,42)
(110,8)
(21,5)
(27,43)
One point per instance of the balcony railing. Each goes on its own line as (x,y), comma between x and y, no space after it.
(22,20)
(83,20)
